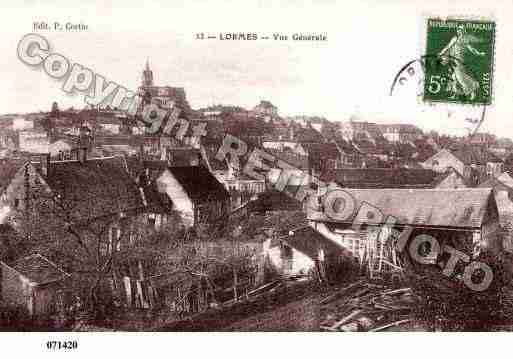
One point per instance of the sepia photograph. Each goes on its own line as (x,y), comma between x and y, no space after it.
(321,168)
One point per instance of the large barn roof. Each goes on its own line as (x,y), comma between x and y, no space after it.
(459,208)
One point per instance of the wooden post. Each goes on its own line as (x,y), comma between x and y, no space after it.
(128,289)
(235,296)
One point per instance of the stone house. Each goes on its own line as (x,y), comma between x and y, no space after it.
(35,284)
(195,193)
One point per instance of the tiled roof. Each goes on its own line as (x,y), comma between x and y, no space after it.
(472,155)
(307,135)
(400,127)
(345,146)
(183,156)
(381,177)
(273,200)
(307,241)
(459,208)
(199,183)
(94,188)
(367,146)
(321,151)
(496,184)
(39,270)
(449,171)
(290,157)
(211,151)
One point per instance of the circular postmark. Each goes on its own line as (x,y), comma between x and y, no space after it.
(409,85)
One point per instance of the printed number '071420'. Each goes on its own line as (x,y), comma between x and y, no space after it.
(61,345)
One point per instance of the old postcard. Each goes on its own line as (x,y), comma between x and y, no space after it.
(210,166)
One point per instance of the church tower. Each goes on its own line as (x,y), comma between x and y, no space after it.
(147,78)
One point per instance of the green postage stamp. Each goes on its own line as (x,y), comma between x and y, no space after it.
(459,61)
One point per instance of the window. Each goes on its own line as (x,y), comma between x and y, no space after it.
(16,203)
(151,219)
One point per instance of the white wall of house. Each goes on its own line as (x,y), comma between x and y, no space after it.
(442,160)
(279,145)
(292,177)
(34,141)
(166,183)
(296,263)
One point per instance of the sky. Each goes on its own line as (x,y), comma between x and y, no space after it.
(347,76)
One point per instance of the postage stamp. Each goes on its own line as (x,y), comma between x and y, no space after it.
(460,59)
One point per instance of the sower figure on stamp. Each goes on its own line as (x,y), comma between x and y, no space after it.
(462,81)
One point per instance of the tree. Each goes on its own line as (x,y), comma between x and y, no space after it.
(77,231)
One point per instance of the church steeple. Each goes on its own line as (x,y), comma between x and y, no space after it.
(147,78)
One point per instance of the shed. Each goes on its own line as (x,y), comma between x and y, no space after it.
(34,283)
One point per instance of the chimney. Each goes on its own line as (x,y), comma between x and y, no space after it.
(45,164)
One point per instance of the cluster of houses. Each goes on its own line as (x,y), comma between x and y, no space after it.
(100,166)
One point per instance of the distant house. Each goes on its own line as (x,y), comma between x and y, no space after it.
(109,124)
(381,177)
(35,284)
(350,157)
(482,139)
(93,195)
(302,251)
(275,201)
(196,194)
(503,196)
(322,156)
(359,130)
(442,160)
(315,122)
(33,141)
(92,190)
(400,132)
(450,179)
(466,160)
(280,138)
(183,156)
(20,124)
(485,162)
(17,175)
(8,140)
